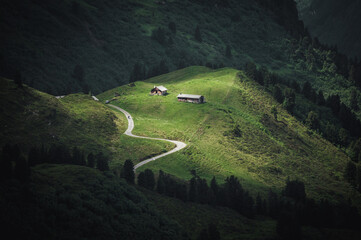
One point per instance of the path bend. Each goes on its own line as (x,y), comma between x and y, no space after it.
(179,145)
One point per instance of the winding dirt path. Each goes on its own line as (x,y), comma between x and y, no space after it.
(179,145)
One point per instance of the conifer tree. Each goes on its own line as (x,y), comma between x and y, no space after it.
(172,27)
(277,94)
(5,162)
(160,182)
(228,52)
(320,98)
(274,112)
(193,195)
(203,235)
(146,179)
(213,232)
(141,180)
(22,169)
(128,171)
(18,79)
(307,90)
(353,100)
(312,120)
(149,177)
(288,227)
(102,162)
(197,34)
(34,157)
(91,160)
(359,178)
(350,173)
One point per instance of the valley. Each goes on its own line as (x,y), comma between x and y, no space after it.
(180,119)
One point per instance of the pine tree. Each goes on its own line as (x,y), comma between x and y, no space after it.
(215,191)
(277,94)
(142,180)
(138,73)
(172,27)
(350,173)
(203,235)
(228,52)
(307,90)
(159,36)
(181,192)
(320,98)
(82,159)
(296,86)
(76,156)
(353,100)
(128,171)
(251,70)
(295,189)
(91,160)
(213,232)
(6,158)
(343,137)
(352,74)
(312,120)
(146,179)
(288,227)
(193,195)
(160,183)
(289,101)
(359,178)
(18,79)
(259,205)
(102,162)
(274,112)
(78,73)
(22,170)
(197,34)
(149,177)
(34,157)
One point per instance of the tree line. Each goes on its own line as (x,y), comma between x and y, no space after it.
(16,164)
(351,126)
(292,209)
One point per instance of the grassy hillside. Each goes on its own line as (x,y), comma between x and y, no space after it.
(234,132)
(73,202)
(31,118)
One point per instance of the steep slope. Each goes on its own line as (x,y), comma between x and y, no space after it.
(62,46)
(334,23)
(73,202)
(234,132)
(31,118)
(195,217)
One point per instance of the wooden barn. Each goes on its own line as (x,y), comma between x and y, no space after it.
(158,90)
(190,98)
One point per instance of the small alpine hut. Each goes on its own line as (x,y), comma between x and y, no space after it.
(190,98)
(158,90)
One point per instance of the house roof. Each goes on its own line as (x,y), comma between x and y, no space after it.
(189,96)
(162,88)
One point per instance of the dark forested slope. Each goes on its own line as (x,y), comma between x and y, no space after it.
(75,202)
(67,46)
(334,22)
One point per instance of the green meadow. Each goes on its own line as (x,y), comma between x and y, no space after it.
(233,133)
(32,118)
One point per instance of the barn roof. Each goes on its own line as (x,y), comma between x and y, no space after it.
(162,88)
(189,96)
